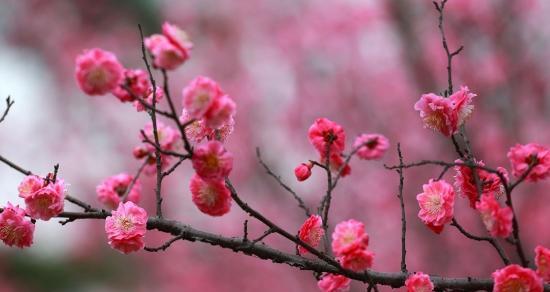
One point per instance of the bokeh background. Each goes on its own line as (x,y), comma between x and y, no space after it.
(361,63)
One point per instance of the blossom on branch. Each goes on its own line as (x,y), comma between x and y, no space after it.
(112,189)
(168,141)
(334,283)
(419,282)
(166,55)
(348,235)
(211,197)
(212,161)
(466,185)
(325,132)
(516,278)
(44,199)
(14,228)
(371,146)
(126,227)
(542,260)
(436,204)
(148,98)
(497,220)
(303,171)
(522,156)
(134,84)
(311,232)
(98,72)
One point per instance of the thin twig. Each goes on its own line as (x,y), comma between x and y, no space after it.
(133,182)
(186,143)
(163,247)
(403,218)
(9,104)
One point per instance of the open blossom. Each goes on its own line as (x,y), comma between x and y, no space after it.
(357,259)
(43,200)
(516,278)
(166,55)
(445,115)
(324,132)
(542,260)
(14,228)
(111,190)
(199,95)
(348,235)
(419,282)
(98,72)
(220,112)
(436,204)
(303,171)
(148,98)
(371,146)
(198,131)
(126,227)
(211,197)
(466,185)
(177,37)
(521,156)
(212,161)
(497,220)
(334,283)
(311,232)
(136,81)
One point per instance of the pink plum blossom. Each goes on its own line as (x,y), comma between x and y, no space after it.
(303,171)
(137,82)
(211,197)
(14,228)
(466,185)
(98,72)
(436,204)
(199,95)
(212,161)
(325,132)
(220,112)
(348,235)
(521,156)
(419,282)
(371,146)
(334,283)
(43,200)
(461,101)
(311,232)
(516,278)
(497,220)
(177,37)
(126,227)
(542,261)
(165,54)
(112,189)
(357,259)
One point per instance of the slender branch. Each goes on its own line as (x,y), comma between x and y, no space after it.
(159,149)
(403,218)
(134,180)
(301,203)
(490,240)
(165,246)
(153,113)
(9,103)
(15,166)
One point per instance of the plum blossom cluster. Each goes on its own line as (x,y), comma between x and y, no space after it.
(114,189)
(329,139)
(446,114)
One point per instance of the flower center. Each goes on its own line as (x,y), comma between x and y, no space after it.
(434,204)
(97,77)
(209,196)
(211,161)
(120,190)
(124,223)
(514,285)
(436,121)
(372,143)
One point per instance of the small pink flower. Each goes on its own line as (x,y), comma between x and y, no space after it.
(419,282)
(521,156)
(303,171)
(211,161)
(165,54)
(126,227)
(516,278)
(371,146)
(333,283)
(348,235)
(466,185)
(177,37)
(324,132)
(211,197)
(111,190)
(437,113)
(311,232)
(45,200)
(542,260)
(14,228)
(436,204)
(137,81)
(98,72)
(149,98)
(358,259)
(220,112)
(496,219)
(199,95)
(461,101)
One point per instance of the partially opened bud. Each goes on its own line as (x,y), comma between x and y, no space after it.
(303,171)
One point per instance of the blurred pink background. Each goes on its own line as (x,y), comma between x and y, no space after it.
(361,63)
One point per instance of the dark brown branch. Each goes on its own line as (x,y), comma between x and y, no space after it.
(9,103)
(15,166)
(163,247)
(134,180)
(403,218)
(490,240)
(301,203)
(159,149)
